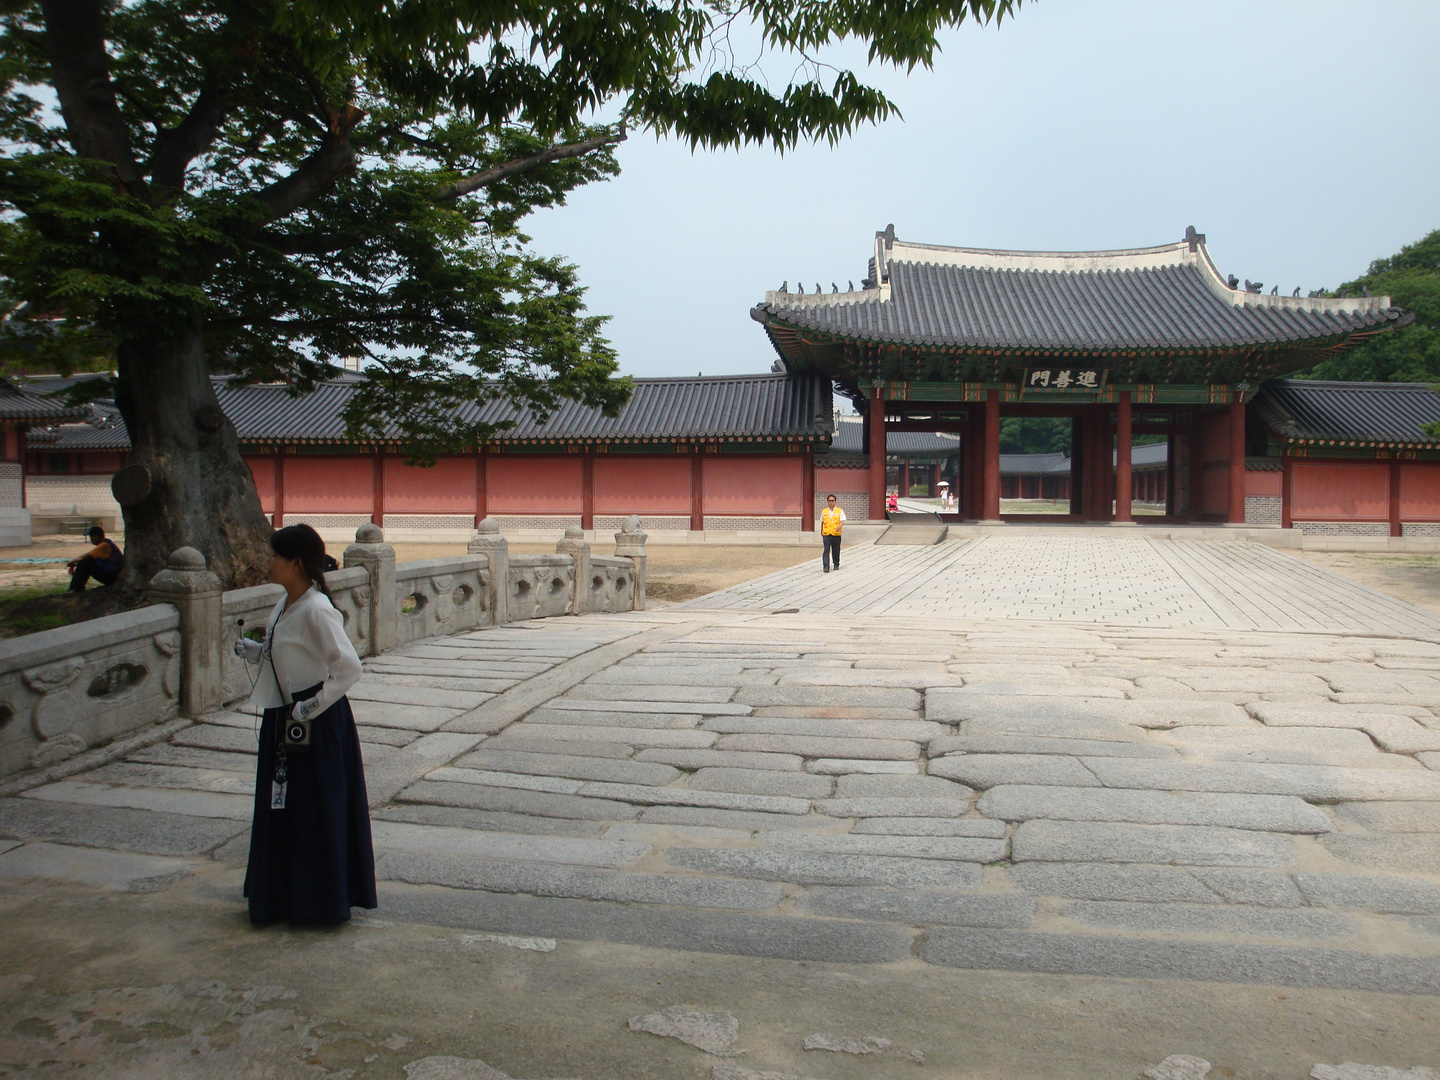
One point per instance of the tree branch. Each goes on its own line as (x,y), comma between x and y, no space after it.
(80,68)
(332,159)
(507,169)
(176,147)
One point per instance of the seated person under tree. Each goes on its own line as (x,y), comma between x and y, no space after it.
(103,562)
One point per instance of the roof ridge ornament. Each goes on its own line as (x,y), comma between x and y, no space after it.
(1193,238)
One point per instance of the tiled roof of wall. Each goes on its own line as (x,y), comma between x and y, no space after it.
(1349,413)
(741,408)
(849,439)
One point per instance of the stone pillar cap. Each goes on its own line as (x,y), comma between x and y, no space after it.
(370,533)
(186,558)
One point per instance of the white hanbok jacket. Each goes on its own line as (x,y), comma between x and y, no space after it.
(310,646)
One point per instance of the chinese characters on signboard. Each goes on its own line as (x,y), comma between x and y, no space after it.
(1065,379)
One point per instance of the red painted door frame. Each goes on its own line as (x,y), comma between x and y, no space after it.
(480,477)
(377,497)
(991,509)
(697,493)
(1287,477)
(279,514)
(1396,529)
(1236,510)
(1124,490)
(587,491)
(877,453)
(807,493)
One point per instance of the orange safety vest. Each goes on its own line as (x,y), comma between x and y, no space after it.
(830,522)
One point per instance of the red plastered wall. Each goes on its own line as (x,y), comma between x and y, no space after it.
(838,480)
(1420,491)
(1264,483)
(263,470)
(757,486)
(533,485)
(1336,491)
(642,485)
(329,485)
(447,487)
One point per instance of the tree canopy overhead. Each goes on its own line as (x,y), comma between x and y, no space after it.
(263,188)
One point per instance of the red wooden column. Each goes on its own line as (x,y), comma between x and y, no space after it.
(1395,528)
(480,509)
(1236,515)
(1077,466)
(587,491)
(807,492)
(697,493)
(1167,484)
(279,514)
(1287,476)
(991,510)
(1123,482)
(877,453)
(377,497)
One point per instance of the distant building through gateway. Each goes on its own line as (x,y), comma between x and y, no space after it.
(1141,341)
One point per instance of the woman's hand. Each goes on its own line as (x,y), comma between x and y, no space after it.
(252,652)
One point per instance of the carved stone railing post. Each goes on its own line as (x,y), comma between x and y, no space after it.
(196,594)
(377,557)
(575,546)
(630,544)
(487,541)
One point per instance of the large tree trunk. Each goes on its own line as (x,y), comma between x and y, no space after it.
(186,484)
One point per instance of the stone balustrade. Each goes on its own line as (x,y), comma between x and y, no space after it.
(67,690)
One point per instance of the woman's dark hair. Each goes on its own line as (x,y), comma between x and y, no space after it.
(303,543)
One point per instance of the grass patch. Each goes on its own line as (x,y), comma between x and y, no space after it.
(33,608)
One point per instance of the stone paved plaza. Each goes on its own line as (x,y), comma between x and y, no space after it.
(909,766)
(1112,576)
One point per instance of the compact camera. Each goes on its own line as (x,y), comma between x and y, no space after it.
(297,734)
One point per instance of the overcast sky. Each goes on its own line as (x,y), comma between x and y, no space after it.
(1303,138)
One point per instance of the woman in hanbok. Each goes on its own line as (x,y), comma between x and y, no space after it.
(311,858)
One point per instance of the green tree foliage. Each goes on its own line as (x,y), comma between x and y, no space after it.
(1034,435)
(265,187)
(1411,278)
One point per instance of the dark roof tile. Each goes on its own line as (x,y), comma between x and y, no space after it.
(1349,412)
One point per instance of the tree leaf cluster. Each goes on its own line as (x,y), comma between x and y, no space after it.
(1411,278)
(306,182)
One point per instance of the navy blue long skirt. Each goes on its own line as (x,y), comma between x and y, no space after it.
(311,862)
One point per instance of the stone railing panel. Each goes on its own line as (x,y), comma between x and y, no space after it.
(350,593)
(442,596)
(541,586)
(65,690)
(612,584)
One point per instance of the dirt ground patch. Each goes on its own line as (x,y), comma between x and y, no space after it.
(1403,575)
(674,572)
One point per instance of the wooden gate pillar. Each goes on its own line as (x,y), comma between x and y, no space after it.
(1123,489)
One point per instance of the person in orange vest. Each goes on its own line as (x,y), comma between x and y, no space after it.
(832,520)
